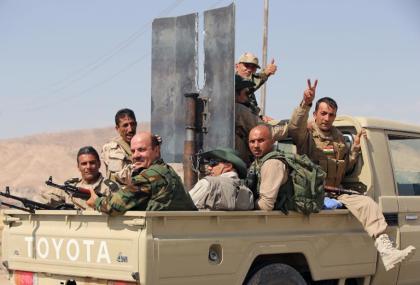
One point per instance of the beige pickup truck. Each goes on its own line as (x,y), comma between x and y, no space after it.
(247,247)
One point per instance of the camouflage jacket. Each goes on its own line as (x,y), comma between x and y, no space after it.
(157,188)
(55,197)
(258,79)
(328,149)
(117,158)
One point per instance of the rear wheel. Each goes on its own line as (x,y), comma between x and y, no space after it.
(276,274)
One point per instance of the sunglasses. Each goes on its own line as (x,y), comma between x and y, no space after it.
(213,162)
(249,65)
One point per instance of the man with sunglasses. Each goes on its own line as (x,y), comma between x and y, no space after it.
(222,188)
(246,67)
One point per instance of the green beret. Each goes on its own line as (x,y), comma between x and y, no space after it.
(229,155)
(242,83)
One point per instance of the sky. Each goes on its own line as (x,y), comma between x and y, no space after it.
(67,65)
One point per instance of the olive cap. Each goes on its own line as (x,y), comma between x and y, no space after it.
(228,155)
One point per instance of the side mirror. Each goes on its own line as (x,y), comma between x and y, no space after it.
(348,139)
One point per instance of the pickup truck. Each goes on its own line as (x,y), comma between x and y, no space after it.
(245,247)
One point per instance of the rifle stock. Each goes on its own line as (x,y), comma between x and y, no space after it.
(71,190)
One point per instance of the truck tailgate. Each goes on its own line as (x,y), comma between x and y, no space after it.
(67,243)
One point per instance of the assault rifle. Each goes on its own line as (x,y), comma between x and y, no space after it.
(71,190)
(30,205)
(339,191)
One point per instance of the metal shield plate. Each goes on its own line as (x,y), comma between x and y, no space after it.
(174,73)
(219,52)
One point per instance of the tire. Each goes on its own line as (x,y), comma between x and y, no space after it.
(276,274)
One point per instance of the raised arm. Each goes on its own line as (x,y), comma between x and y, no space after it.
(298,130)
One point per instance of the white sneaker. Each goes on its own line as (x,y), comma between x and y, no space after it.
(389,254)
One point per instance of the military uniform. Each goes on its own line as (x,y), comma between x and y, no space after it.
(157,188)
(329,151)
(245,120)
(55,197)
(270,175)
(258,79)
(116,156)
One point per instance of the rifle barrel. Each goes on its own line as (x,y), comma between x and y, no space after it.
(338,190)
(17,207)
(28,203)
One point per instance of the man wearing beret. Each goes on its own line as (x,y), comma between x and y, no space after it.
(246,119)
(222,188)
(246,67)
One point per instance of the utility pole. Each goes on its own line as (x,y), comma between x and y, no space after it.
(264,55)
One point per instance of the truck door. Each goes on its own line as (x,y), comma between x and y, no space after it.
(405,158)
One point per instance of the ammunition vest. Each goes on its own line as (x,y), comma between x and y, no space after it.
(304,189)
(331,153)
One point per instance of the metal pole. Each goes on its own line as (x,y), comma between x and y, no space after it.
(190,177)
(264,55)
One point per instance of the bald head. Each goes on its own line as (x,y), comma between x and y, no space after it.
(260,140)
(145,149)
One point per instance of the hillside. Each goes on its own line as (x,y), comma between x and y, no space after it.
(28,161)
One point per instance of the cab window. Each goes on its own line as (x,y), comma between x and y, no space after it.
(405,155)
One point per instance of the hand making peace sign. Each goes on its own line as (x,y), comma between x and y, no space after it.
(309,94)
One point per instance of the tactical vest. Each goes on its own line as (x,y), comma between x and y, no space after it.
(304,189)
(167,189)
(331,154)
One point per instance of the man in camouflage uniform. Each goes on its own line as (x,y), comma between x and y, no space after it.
(324,144)
(116,154)
(246,67)
(88,164)
(246,119)
(222,188)
(154,185)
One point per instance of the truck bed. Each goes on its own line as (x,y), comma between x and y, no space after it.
(173,247)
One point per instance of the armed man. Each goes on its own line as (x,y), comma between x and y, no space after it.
(246,119)
(270,171)
(116,154)
(88,163)
(246,67)
(222,189)
(154,185)
(325,145)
